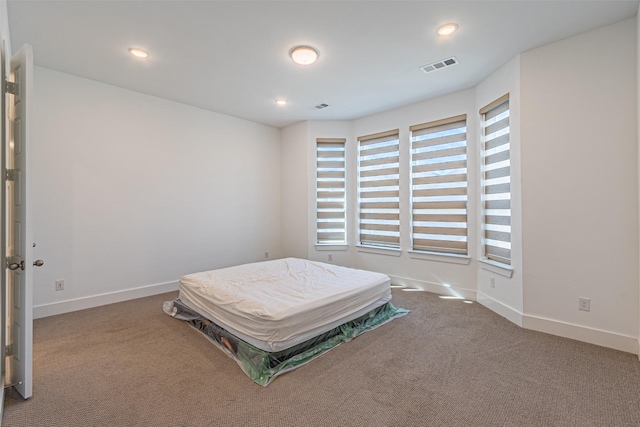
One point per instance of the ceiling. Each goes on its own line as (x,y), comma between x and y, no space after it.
(232,57)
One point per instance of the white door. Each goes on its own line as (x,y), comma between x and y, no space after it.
(5,221)
(19,246)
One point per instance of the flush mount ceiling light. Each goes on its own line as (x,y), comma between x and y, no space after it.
(447,29)
(139,53)
(303,55)
(281,101)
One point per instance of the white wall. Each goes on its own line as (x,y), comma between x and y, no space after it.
(575,171)
(580,185)
(294,191)
(638,128)
(132,191)
(435,273)
(340,254)
(112,167)
(505,297)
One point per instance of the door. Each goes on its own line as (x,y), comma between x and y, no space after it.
(4,226)
(19,248)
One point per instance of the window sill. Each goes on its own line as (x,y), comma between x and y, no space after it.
(379,250)
(496,267)
(332,248)
(440,257)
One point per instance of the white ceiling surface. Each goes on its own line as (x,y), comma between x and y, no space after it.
(232,56)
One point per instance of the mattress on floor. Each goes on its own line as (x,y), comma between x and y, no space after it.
(274,305)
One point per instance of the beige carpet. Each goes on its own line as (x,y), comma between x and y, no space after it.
(447,363)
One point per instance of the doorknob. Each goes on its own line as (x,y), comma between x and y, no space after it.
(15,265)
(38,263)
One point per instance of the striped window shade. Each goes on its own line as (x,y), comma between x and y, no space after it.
(330,191)
(496,180)
(439,186)
(379,189)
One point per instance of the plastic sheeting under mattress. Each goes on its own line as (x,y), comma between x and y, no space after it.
(263,366)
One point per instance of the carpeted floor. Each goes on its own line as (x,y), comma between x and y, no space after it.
(447,363)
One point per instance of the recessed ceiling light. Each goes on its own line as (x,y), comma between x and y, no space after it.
(281,101)
(138,52)
(447,29)
(303,55)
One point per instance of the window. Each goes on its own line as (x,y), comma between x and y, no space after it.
(496,181)
(378,189)
(330,191)
(439,186)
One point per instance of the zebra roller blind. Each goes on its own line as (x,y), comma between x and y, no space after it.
(439,186)
(379,189)
(496,180)
(331,226)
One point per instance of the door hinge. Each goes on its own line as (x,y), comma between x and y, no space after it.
(8,350)
(11,87)
(10,175)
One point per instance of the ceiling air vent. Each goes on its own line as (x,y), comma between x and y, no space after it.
(439,65)
(321,106)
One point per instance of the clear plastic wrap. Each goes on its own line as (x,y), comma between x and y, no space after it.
(263,366)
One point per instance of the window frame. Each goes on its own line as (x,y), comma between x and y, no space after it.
(493,197)
(331,145)
(386,224)
(441,158)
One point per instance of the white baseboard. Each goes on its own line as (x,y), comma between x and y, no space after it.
(503,310)
(550,326)
(599,337)
(67,306)
(435,288)
(608,339)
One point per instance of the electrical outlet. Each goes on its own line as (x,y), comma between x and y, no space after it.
(584,304)
(330,257)
(266,255)
(492,282)
(59,285)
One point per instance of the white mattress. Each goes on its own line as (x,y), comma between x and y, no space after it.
(275,305)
